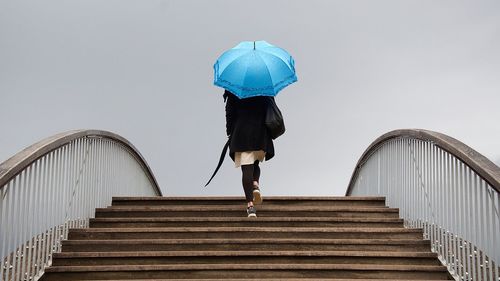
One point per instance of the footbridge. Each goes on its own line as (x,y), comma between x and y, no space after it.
(84,205)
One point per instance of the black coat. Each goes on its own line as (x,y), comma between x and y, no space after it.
(245,123)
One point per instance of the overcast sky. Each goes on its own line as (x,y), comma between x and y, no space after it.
(143,69)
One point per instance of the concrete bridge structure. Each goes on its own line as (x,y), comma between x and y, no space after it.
(84,205)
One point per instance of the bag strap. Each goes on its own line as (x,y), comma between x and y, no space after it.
(221,159)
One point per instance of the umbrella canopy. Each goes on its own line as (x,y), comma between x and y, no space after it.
(254,68)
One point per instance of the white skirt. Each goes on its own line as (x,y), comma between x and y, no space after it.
(248,157)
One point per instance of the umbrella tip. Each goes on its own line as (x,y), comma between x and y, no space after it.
(254,45)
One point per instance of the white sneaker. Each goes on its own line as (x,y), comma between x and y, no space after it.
(257,198)
(251,212)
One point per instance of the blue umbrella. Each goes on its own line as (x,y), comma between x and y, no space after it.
(254,68)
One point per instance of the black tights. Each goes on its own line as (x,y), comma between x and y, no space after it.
(251,173)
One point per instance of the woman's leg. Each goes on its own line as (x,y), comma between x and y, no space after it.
(247,181)
(256,172)
(257,197)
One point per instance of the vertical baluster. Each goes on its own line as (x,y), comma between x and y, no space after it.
(88,181)
(62,189)
(15,229)
(489,235)
(95,184)
(480,240)
(439,201)
(410,182)
(71,184)
(459,211)
(30,214)
(9,209)
(465,225)
(3,231)
(455,214)
(41,216)
(83,183)
(95,179)
(435,200)
(402,178)
(10,252)
(489,232)
(50,207)
(114,165)
(495,259)
(446,226)
(426,169)
(24,225)
(406,181)
(105,171)
(378,173)
(52,203)
(392,191)
(430,187)
(67,185)
(449,210)
(36,216)
(451,214)
(76,189)
(442,209)
(78,175)
(74,184)
(470,266)
(45,203)
(18,229)
(416,184)
(56,194)
(473,214)
(495,199)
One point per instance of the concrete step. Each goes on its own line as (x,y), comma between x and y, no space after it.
(239,211)
(270,244)
(242,257)
(243,232)
(222,271)
(239,201)
(244,222)
(210,238)
(268,279)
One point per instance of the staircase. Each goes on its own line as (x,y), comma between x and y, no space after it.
(210,238)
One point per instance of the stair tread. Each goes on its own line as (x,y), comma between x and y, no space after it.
(360,267)
(271,279)
(232,198)
(254,241)
(243,253)
(244,219)
(207,208)
(251,229)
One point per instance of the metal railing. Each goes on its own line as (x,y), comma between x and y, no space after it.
(55,185)
(444,187)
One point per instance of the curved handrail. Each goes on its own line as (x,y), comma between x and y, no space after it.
(443,187)
(484,167)
(14,165)
(55,185)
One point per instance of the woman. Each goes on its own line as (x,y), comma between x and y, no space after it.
(250,142)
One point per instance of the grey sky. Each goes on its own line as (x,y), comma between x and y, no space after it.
(143,69)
